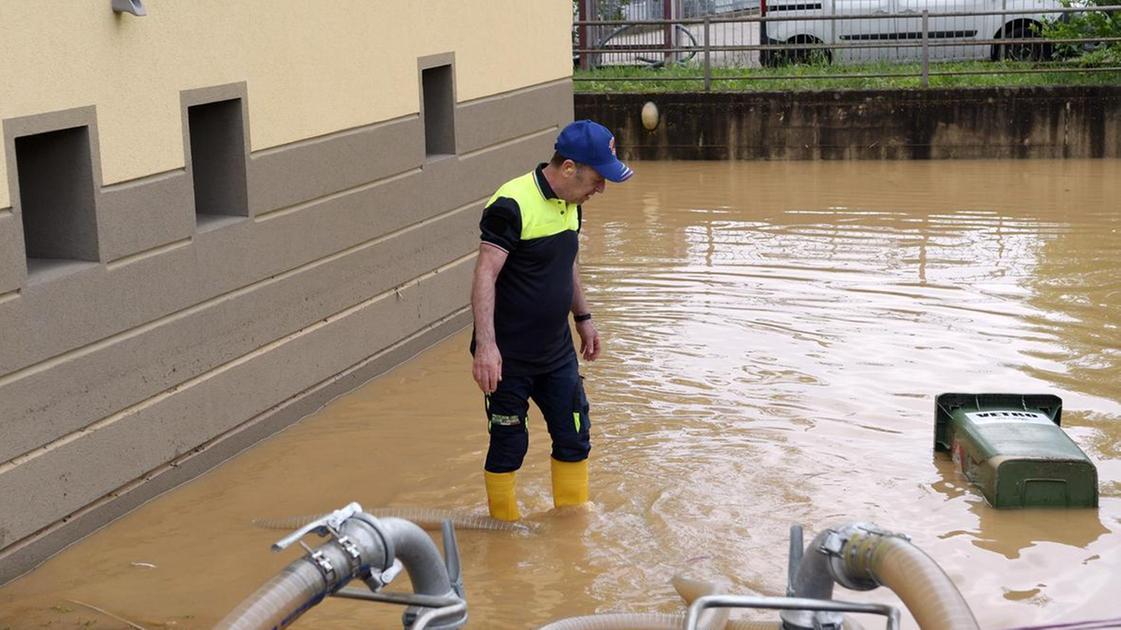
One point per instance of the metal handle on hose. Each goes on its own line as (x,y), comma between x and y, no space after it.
(787,603)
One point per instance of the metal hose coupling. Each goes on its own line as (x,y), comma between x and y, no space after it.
(366,549)
(358,548)
(852,554)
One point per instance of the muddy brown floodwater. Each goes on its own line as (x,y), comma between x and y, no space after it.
(775,336)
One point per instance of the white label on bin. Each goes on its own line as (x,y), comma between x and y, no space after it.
(1008,417)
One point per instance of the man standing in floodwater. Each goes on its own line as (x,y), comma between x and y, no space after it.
(526,283)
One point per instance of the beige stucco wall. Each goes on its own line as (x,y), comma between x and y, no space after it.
(311,67)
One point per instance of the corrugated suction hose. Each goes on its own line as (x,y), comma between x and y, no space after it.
(279,601)
(428,518)
(925,589)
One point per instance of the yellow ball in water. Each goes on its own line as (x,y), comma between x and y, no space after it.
(650,115)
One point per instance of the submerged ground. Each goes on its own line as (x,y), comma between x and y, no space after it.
(776,334)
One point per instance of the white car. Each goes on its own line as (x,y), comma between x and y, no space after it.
(895,33)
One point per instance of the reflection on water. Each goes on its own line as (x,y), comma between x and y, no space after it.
(776,334)
(1011,532)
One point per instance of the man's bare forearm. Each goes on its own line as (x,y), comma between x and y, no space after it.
(579,304)
(490,262)
(482,307)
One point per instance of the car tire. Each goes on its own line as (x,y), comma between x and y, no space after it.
(1022,52)
(806,55)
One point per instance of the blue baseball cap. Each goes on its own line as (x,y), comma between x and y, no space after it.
(590,143)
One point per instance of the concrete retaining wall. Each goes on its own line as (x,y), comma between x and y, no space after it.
(1067,122)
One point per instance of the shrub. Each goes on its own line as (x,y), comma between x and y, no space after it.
(1089,25)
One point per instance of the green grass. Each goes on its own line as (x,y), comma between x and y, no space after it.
(791,77)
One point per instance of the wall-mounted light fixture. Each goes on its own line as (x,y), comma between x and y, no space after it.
(135,7)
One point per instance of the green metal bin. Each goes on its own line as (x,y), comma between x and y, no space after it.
(1012,448)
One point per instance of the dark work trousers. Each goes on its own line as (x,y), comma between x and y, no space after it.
(560,396)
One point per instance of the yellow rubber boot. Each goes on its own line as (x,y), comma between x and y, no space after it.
(501,498)
(570,483)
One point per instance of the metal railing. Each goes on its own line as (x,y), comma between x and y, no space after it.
(920,39)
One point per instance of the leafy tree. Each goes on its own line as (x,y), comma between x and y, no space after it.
(1088,25)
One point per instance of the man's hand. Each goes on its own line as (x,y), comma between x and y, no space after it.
(487,367)
(589,340)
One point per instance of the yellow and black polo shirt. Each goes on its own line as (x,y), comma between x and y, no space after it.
(533,292)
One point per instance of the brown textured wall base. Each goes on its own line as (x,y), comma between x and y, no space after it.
(1059,122)
(20,558)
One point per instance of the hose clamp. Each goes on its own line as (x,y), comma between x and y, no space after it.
(326,569)
(354,556)
(851,563)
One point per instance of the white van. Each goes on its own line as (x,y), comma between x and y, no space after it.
(893,32)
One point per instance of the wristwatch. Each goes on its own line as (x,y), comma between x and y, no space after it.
(582,317)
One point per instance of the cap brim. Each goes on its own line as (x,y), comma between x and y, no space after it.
(614,171)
